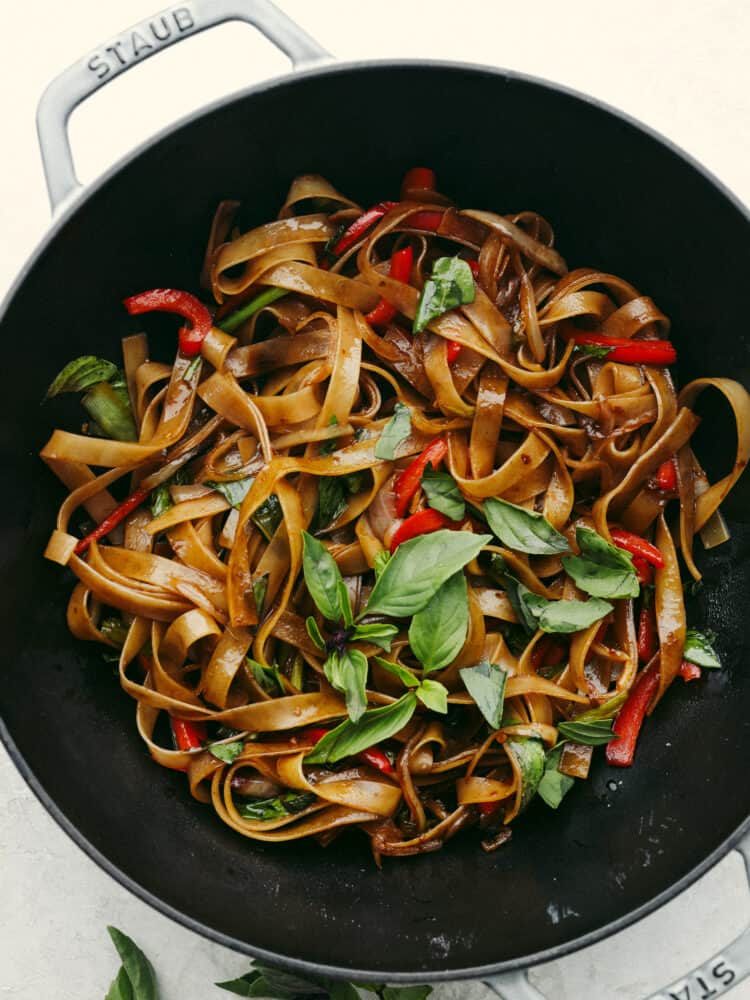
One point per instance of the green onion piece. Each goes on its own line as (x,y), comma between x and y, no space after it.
(110,410)
(230,323)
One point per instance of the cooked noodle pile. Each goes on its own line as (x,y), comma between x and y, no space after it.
(401,540)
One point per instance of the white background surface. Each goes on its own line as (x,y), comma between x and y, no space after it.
(679,65)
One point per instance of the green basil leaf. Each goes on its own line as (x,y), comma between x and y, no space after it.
(347,673)
(346,607)
(563,617)
(451,285)
(291,984)
(443,494)
(529,756)
(486,684)
(523,530)
(433,695)
(395,431)
(554,786)
(379,634)
(516,592)
(160,500)
(594,350)
(332,501)
(381,561)
(240,987)
(698,649)
(592,734)
(328,446)
(260,586)
(354,482)
(418,569)
(323,578)
(406,992)
(375,726)
(115,629)
(342,991)
(234,491)
(268,517)
(601,570)
(276,808)
(81,373)
(228,752)
(120,988)
(314,632)
(136,965)
(438,631)
(406,677)
(267,678)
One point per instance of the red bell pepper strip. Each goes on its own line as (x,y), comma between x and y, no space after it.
(630,718)
(427,219)
(407,482)
(548,652)
(634,352)
(188,735)
(637,546)
(417,179)
(488,808)
(666,476)
(172,300)
(643,570)
(690,671)
(401,262)
(452,351)
(372,756)
(377,759)
(359,227)
(421,523)
(647,638)
(112,520)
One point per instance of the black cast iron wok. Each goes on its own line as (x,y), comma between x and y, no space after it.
(619,197)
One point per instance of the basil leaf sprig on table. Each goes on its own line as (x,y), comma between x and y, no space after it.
(602,569)
(486,684)
(699,649)
(443,494)
(451,284)
(136,979)
(396,430)
(523,530)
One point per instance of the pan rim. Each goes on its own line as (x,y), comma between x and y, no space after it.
(65,212)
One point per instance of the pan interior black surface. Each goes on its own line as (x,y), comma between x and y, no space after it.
(619,200)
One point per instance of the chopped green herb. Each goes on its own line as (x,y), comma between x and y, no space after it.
(602,570)
(486,684)
(451,284)
(523,530)
(395,431)
(699,649)
(443,494)
(276,808)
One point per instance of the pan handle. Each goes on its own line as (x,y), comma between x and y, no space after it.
(712,979)
(132,46)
